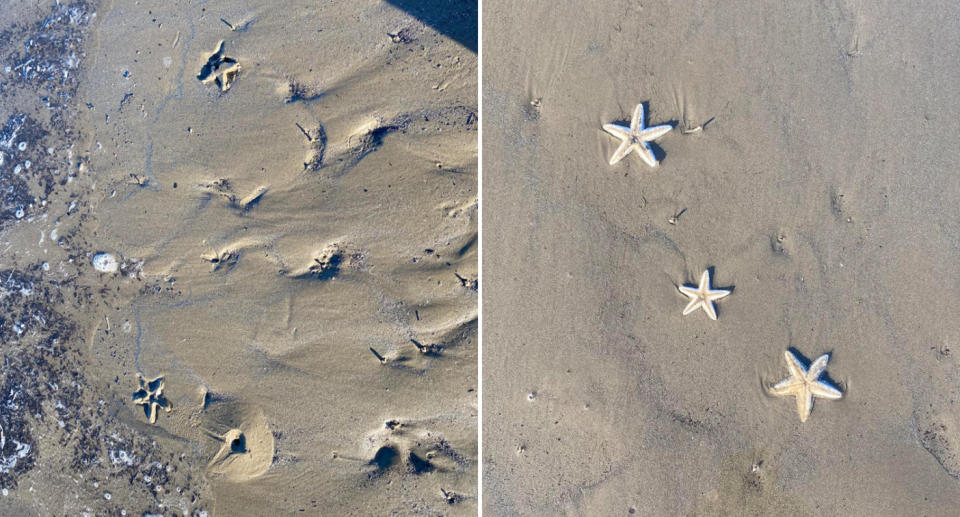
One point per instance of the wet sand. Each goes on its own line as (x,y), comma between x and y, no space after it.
(279,194)
(821,188)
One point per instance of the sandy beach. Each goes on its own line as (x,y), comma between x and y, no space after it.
(811,167)
(255,289)
(239,250)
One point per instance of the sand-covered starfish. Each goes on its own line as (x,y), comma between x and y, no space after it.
(635,137)
(702,296)
(150,396)
(804,385)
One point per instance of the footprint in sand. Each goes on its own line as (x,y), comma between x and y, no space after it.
(940,436)
(936,413)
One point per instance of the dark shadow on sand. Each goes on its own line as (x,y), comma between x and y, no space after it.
(456,19)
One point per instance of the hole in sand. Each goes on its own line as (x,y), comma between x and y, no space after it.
(238,444)
(418,464)
(385,457)
(246,448)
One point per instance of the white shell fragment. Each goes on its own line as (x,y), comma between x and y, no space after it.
(104,262)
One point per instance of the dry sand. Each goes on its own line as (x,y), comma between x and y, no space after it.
(278,191)
(823,187)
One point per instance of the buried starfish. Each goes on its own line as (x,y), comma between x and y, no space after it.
(804,385)
(150,396)
(636,137)
(219,69)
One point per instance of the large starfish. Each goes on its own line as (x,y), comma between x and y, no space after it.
(804,385)
(636,137)
(703,296)
(150,396)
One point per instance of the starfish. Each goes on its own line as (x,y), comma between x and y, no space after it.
(636,137)
(804,385)
(219,69)
(150,396)
(703,296)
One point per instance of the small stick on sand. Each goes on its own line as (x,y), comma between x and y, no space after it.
(304,131)
(451,497)
(228,24)
(420,347)
(382,359)
(676,217)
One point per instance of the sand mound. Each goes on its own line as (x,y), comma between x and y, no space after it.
(246,445)
(409,446)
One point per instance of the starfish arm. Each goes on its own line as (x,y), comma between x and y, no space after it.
(794,365)
(817,367)
(623,133)
(824,390)
(653,133)
(692,306)
(638,120)
(621,152)
(647,154)
(785,387)
(689,291)
(710,309)
(716,294)
(804,404)
(705,280)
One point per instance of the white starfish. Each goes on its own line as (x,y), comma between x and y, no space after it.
(703,296)
(804,385)
(636,137)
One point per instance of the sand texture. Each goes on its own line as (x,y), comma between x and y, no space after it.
(235,204)
(813,168)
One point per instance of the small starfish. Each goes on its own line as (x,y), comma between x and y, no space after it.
(636,137)
(804,385)
(703,296)
(150,396)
